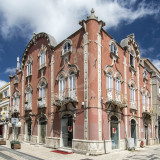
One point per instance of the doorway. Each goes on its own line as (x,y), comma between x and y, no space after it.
(28,130)
(133,131)
(66,131)
(1,131)
(146,134)
(42,130)
(114,132)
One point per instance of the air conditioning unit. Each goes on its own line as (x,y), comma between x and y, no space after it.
(130,143)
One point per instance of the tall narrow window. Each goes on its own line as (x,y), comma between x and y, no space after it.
(72,85)
(29,68)
(28,96)
(147,103)
(131,59)
(118,85)
(143,101)
(42,91)
(42,58)
(132,93)
(109,81)
(61,87)
(113,48)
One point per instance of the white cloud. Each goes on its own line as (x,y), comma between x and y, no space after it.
(146,51)
(10,70)
(60,17)
(156,62)
(2,83)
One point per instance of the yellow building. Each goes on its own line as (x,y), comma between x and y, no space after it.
(4,109)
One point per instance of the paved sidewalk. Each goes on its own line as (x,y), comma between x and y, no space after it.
(40,152)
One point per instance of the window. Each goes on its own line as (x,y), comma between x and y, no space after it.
(28,96)
(131,59)
(5,108)
(145,74)
(42,58)
(16,102)
(29,68)
(42,91)
(5,94)
(72,85)
(132,93)
(109,81)
(143,101)
(148,103)
(61,87)
(66,48)
(113,48)
(118,85)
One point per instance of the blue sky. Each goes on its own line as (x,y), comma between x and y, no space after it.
(19,19)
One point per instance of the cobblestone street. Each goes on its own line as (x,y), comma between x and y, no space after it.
(38,152)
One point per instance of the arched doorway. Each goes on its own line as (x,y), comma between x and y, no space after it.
(114,132)
(133,130)
(42,129)
(28,129)
(66,130)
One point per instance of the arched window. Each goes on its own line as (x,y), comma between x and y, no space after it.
(132,93)
(113,48)
(28,96)
(118,85)
(109,81)
(143,101)
(72,85)
(42,58)
(66,47)
(61,87)
(147,99)
(28,68)
(42,92)
(131,59)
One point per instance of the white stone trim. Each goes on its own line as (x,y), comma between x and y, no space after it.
(99,88)
(85,52)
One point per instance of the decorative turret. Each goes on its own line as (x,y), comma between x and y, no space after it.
(18,64)
(92,16)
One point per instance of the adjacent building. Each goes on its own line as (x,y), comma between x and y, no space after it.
(88,93)
(4,109)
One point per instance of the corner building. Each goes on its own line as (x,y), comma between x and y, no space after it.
(87,93)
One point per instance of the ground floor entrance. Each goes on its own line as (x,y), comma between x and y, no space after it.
(133,130)
(42,130)
(66,130)
(114,132)
(28,130)
(1,131)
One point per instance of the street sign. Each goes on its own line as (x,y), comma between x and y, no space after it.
(14,120)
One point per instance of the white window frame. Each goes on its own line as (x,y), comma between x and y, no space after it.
(42,91)
(109,81)
(118,85)
(72,85)
(113,48)
(132,91)
(143,101)
(147,99)
(29,68)
(66,48)
(28,96)
(133,59)
(61,87)
(5,94)
(43,58)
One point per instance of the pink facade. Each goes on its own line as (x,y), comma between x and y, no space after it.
(83,93)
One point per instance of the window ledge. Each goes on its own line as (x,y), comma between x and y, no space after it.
(42,67)
(66,53)
(30,75)
(132,68)
(114,55)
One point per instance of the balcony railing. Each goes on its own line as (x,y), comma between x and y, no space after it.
(116,97)
(28,107)
(133,105)
(68,93)
(15,108)
(42,103)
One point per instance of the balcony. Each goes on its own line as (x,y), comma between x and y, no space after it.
(41,103)
(28,107)
(42,66)
(66,96)
(116,98)
(15,109)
